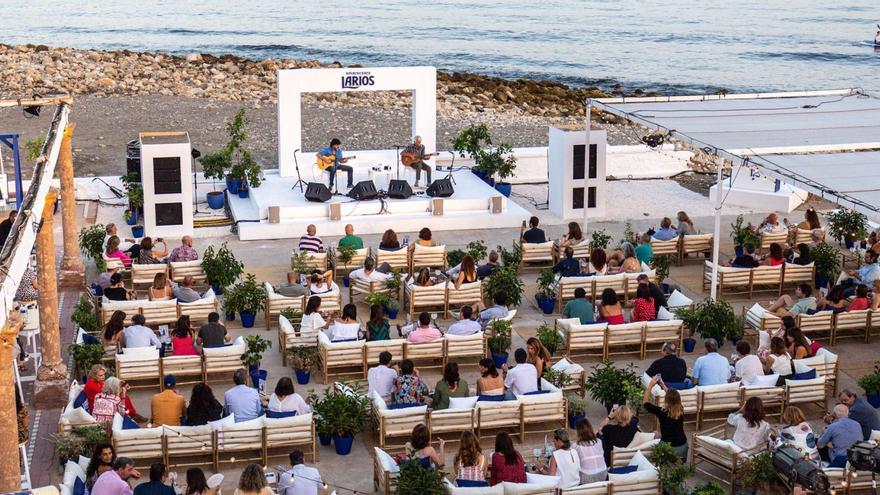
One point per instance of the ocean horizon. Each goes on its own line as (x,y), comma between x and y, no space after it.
(673,47)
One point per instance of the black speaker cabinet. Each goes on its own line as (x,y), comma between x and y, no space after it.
(317,192)
(364,189)
(399,189)
(441,188)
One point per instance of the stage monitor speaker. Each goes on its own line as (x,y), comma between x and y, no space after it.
(364,190)
(441,188)
(317,192)
(399,189)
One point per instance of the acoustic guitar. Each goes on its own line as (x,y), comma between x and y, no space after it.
(325,162)
(412,157)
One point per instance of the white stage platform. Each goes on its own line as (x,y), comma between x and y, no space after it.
(468,208)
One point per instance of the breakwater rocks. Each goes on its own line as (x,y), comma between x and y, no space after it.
(40,69)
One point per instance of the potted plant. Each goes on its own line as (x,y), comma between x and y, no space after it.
(759,474)
(469,143)
(253,354)
(299,263)
(221,267)
(847,225)
(243,191)
(610,385)
(233,162)
(320,411)
(499,342)
(216,200)
(509,257)
(661,267)
(303,360)
(247,298)
(577,409)
(91,243)
(344,255)
(389,304)
(292,315)
(85,356)
(507,279)
(550,338)
(743,234)
(546,296)
(599,239)
(629,235)
(871,385)
(826,259)
(560,379)
(84,316)
(711,319)
(504,166)
(344,414)
(416,479)
(710,488)
(673,472)
(66,446)
(475,249)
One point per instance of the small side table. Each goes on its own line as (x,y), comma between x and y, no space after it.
(386,175)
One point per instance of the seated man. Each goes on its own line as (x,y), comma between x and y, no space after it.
(213,333)
(184,291)
(840,434)
(380,379)
(522,378)
(771,225)
(866,274)
(860,411)
(138,335)
(168,406)
(666,232)
(185,251)
(368,273)
(748,366)
(242,400)
(350,240)
(747,260)
(422,333)
(670,367)
(300,479)
(499,310)
(466,325)
(713,368)
(311,242)
(568,266)
(802,302)
(579,307)
(292,288)
(534,235)
(486,270)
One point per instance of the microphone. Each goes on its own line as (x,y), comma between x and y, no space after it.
(296,150)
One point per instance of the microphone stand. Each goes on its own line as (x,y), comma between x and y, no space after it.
(451,166)
(299,180)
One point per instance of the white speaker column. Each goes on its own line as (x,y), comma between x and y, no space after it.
(576,182)
(166,172)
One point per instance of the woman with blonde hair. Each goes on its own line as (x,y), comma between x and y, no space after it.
(630,263)
(161,289)
(617,430)
(253,481)
(113,251)
(797,433)
(469,462)
(685,224)
(538,355)
(670,417)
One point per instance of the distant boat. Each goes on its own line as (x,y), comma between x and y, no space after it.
(869,43)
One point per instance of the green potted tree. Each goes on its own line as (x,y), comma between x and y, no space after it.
(759,474)
(560,379)
(743,233)
(344,255)
(475,249)
(255,346)
(599,239)
(577,408)
(499,342)
(847,226)
(247,298)
(826,259)
(507,279)
(503,163)
(673,472)
(84,316)
(221,268)
(344,413)
(85,356)
(303,360)
(416,479)
(546,296)
(469,143)
(320,411)
(91,243)
(871,384)
(661,267)
(136,207)
(550,338)
(609,385)
(711,319)
(233,162)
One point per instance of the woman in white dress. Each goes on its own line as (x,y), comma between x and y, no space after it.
(285,399)
(751,429)
(565,462)
(346,328)
(312,321)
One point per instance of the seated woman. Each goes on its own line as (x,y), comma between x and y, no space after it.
(643,305)
(630,263)
(203,407)
(573,237)
(389,241)
(799,347)
(450,386)
(810,222)
(565,461)
(312,321)
(286,400)
(183,338)
(424,239)
(321,283)
(490,381)
(469,462)
(617,430)
(538,356)
(801,256)
(408,387)
(468,272)
(113,329)
(378,326)
(507,464)
(598,264)
(751,429)
(109,401)
(117,290)
(346,328)
(685,224)
(589,449)
(149,255)
(861,301)
(796,432)
(775,257)
(420,446)
(424,279)
(161,289)
(113,251)
(778,361)
(610,310)
(785,323)
(835,301)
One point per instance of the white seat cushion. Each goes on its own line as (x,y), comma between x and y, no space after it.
(462,402)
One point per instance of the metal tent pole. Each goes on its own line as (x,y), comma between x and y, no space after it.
(716,231)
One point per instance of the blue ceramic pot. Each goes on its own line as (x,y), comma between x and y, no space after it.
(504,188)
(243,193)
(500,359)
(302,377)
(689,345)
(247,319)
(216,200)
(137,231)
(343,444)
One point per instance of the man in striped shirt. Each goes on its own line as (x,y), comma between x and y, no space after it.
(311,242)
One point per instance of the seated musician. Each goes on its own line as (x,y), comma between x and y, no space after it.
(417,149)
(333,154)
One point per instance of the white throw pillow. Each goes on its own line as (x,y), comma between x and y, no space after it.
(84,463)
(462,402)
(386,461)
(763,339)
(71,472)
(765,381)
(641,462)
(220,423)
(117,422)
(664,314)
(78,416)
(285,325)
(640,438)
(677,300)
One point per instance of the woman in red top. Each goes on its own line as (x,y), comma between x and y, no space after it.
(861,301)
(775,258)
(95,385)
(610,310)
(643,306)
(182,339)
(507,463)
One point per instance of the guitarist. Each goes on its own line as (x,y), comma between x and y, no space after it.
(333,154)
(417,148)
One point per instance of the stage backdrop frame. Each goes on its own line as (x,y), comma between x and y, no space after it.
(292,83)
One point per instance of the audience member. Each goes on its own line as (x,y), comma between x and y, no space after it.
(610,310)
(644,251)
(796,432)
(590,453)
(685,224)
(203,407)
(507,464)
(489,382)
(149,255)
(378,327)
(799,346)
(840,434)
(670,417)
(771,225)
(138,335)
(467,273)
(746,259)
(156,485)
(568,266)
(469,463)
(115,481)
(161,289)
(182,339)
(101,462)
(835,302)
(866,274)
(368,273)
(350,240)
(860,411)
(95,385)
(117,290)
(112,333)
(534,235)
(450,386)
(875,298)
(6,226)
(538,356)
(424,332)
(656,292)
(573,237)
(184,291)
(312,321)
(466,325)
(522,378)
(286,400)
(713,368)
(300,479)
(424,279)
(109,402)
(778,361)
(184,252)
(381,379)
(168,406)
(803,302)
(310,242)
(802,257)
(670,367)
(213,333)
(241,400)
(425,238)
(748,366)
(196,484)
(598,264)
(103,279)
(579,308)
(564,463)
(775,256)
(751,430)
(420,446)
(643,305)
(810,221)
(626,259)
(491,265)
(498,310)
(860,302)
(666,232)
(347,328)
(408,386)
(253,481)
(389,241)
(617,430)
(292,288)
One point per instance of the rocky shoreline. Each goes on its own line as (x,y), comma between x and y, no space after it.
(44,69)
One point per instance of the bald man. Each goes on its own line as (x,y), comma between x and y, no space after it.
(351,240)
(839,436)
(419,148)
(185,251)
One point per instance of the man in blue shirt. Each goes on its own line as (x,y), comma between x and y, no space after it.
(156,485)
(860,411)
(666,232)
(713,368)
(241,400)
(867,274)
(334,151)
(568,267)
(499,310)
(839,436)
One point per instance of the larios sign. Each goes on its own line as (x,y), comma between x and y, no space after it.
(354,80)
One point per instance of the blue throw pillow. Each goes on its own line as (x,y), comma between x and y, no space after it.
(81,401)
(467,484)
(89,339)
(806,375)
(344,340)
(623,470)
(79,488)
(680,385)
(129,424)
(402,405)
(276,414)
(490,398)
(537,392)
